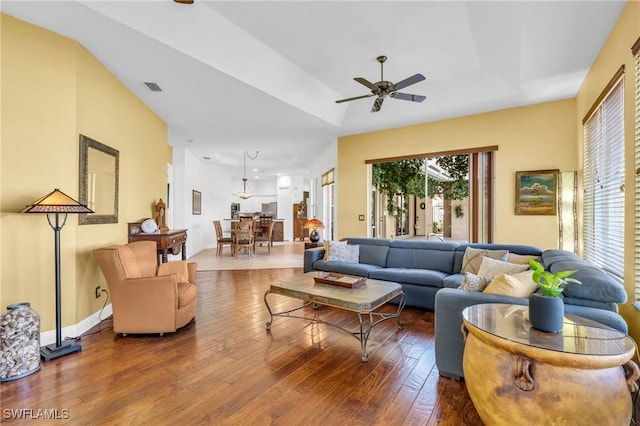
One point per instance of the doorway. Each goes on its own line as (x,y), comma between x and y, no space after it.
(445,196)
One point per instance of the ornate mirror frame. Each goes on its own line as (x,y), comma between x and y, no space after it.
(99,170)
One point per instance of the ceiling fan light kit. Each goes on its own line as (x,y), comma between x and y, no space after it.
(383,88)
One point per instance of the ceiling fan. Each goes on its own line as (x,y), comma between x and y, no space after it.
(384,88)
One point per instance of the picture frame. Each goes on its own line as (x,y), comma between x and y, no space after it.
(537,192)
(196,202)
(99,181)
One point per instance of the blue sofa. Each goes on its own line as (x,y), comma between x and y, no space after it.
(430,274)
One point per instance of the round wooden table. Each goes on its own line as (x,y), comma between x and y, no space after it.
(516,374)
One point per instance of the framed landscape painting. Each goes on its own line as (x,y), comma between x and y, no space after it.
(537,192)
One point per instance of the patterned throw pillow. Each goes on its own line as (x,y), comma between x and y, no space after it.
(517,285)
(473,258)
(473,282)
(343,252)
(327,247)
(492,267)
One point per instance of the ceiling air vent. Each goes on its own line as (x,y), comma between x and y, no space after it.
(153,86)
(206,158)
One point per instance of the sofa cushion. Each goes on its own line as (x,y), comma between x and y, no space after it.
(473,258)
(420,254)
(359,269)
(597,285)
(426,277)
(374,255)
(473,282)
(516,285)
(492,267)
(549,257)
(452,281)
(372,250)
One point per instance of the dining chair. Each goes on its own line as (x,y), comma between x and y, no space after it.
(266,236)
(242,236)
(222,240)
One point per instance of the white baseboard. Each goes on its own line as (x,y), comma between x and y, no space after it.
(49,337)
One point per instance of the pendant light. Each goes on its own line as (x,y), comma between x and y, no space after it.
(244,193)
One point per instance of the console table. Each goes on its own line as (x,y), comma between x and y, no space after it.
(173,241)
(516,374)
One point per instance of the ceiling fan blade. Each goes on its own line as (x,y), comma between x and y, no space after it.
(408,97)
(354,98)
(408,81)
(377,104)
(367,83)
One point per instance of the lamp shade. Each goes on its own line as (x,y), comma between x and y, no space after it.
(314,224)
(56,202)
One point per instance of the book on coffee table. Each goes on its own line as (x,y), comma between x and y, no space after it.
(341,280)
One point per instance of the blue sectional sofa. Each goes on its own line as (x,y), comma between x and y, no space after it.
(430,274)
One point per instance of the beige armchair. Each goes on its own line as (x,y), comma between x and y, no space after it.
(147,298)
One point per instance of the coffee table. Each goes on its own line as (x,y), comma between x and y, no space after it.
(362,300)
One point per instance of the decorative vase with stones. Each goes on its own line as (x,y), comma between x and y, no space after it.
(19,342)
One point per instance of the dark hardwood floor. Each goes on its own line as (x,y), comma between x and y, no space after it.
(224,368)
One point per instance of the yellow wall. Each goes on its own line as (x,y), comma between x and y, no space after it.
(535,137)
(617,52)
(53,90)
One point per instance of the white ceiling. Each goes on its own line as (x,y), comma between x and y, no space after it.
(263,75)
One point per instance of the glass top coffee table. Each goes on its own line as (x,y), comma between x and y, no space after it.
(361,300)
(516,374)
(579,336)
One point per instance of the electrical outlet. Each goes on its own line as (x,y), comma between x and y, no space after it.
(98,291)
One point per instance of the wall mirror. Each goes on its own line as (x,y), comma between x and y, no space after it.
(98,181)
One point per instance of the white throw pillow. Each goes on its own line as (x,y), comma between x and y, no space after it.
(492,267)
(517,285)
(343,252)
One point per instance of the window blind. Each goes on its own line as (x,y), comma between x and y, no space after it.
(636,53)
(603,180)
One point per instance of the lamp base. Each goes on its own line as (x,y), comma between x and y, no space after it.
(314,237)
(52,351)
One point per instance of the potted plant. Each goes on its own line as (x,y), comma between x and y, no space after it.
(546,310)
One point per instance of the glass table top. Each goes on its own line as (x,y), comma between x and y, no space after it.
(578,336)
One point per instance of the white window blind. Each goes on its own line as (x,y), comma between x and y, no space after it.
(636,52)
(603,180)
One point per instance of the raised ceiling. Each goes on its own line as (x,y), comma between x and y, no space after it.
(263,76)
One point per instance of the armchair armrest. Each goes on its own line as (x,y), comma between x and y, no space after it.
(192,267)
(178,268)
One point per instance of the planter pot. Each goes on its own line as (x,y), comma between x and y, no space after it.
(546,313)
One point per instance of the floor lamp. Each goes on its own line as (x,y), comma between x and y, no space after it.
(56,205)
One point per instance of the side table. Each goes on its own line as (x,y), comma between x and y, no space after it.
(516,374)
